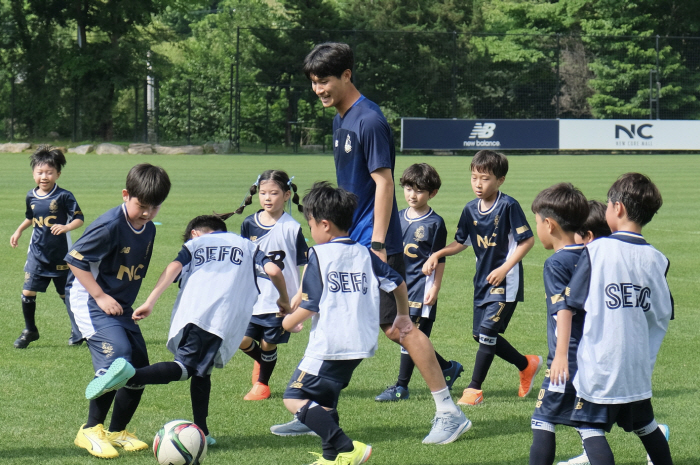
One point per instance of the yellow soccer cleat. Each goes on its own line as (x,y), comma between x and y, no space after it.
(360,454)
(95,441)
(126,440)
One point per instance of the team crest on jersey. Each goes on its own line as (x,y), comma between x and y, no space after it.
(348,145)
(419,235)
(495,220)
(53,206)
(107,349)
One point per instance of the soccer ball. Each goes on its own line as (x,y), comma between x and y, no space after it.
(180,442)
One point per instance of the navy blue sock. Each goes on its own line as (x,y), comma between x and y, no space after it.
(99,408)
(125,404)
(598,450)
(253,351)
(508,353)
(158,373)
(28,311)
(543,448)
(657,448)
(334,440)
(200,390)
(405,370)
(268,360)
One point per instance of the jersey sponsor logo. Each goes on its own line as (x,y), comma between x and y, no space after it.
(498,291)
(346,282)
(627,295)
(408,253)
(53,206)
(296,385)
(217,253)
(419,235)
(304,296)
(522,229)
(42,222)
(61,267)
(125,250)
(130,272)
(415,304)
(75,254)
(348,145)
(484,242)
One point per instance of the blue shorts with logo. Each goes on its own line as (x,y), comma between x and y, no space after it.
(36,283)
(629,417)
(267,328)
(555,407)
(324,391)
(112,342)
(492,315)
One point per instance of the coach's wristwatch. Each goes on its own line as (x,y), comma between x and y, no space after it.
(378,245)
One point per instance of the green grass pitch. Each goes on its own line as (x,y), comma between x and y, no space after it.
(41,388)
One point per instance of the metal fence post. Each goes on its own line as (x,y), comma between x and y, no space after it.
(658,81)
(145,111)
(12,108)
(238,90)
(136,112)
(230,108)
(454,74)
(189,109)
(557,89)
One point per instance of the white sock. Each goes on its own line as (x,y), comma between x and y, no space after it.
(444,402)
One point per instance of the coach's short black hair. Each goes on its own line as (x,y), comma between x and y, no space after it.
(488,161)
(596,222)
(204,223)
(48,155)
(564,204)
(638,194)
(335,204)
(421,176)
(329,59)
(148,183)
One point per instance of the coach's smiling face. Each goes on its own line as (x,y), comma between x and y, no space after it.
(333,91)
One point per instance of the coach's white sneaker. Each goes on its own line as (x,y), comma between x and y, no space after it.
(447,427)
(579,460)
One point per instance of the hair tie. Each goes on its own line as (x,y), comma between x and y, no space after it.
(257,181)
(289,202)
(289,183)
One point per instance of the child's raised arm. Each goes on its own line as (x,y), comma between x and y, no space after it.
(166,279)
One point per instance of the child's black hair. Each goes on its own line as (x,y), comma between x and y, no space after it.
(564,204)
(48,155)
(334,204)
(278,176)
(488,161)
(148,183)
(421,176)
(638,194)
(204,223)
(329,59)
(596,222)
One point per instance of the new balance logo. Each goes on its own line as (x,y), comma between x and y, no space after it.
(483,131)
(125,250)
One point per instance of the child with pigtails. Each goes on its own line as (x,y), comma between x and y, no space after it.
(279,235)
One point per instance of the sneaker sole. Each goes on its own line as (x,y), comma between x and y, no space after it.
(532,380)
(307,433)
(478,402)
(115,378)
(368,452)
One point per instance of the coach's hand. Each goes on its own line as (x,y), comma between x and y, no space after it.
(109,305)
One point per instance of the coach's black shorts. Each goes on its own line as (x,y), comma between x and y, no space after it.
(492,315)
(37,283)
(323,391)
(387,303)
(629,417)
(198,349)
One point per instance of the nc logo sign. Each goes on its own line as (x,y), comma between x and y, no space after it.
(641,131)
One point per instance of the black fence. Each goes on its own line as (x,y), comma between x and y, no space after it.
(255,105)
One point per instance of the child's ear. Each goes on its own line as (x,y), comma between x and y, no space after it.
(325,225)
(125,194)
(433,194)
(501,180)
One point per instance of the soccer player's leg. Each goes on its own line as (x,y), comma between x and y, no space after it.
(75,339)
(249,345)
(593,421)
(128,398)
(32,284)
(652,435)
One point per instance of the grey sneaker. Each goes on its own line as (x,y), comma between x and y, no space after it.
(293,428)
(447,427)
(393,394)
(578,460)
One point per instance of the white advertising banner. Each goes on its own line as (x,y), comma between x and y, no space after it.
(615,134)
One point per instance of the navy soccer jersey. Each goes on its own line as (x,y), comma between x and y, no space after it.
(422,237)
(118,256)
(46,250)
(557,273)
(494,234)
(362,144)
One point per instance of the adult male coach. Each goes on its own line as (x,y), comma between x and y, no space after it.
(363,148)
